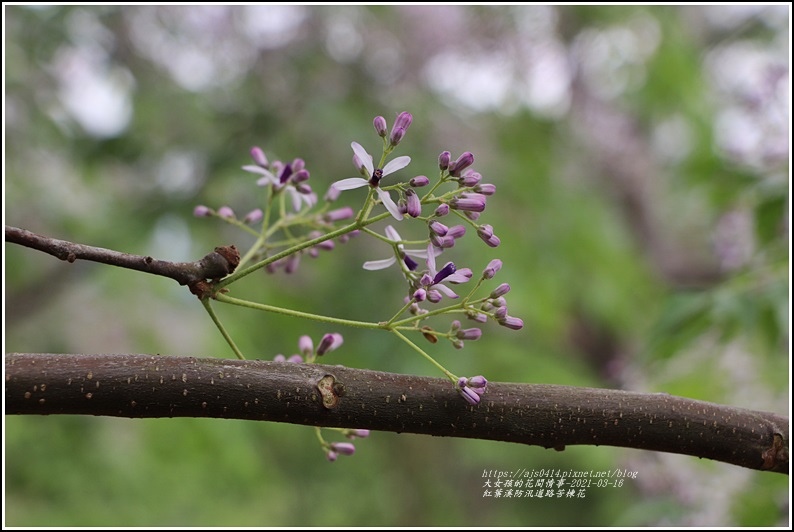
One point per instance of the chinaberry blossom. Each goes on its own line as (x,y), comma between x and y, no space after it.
(432,280)
(374,176)
(404,254)
(472,388)
(291,177)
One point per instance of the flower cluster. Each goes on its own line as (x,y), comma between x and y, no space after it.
(435,285)
(328,343)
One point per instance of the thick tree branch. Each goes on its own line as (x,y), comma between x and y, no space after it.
(551,416)
(215,265)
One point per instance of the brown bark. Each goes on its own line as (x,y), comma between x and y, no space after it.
(552,416)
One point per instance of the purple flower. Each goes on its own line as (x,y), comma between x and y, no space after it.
(493,267)
(512,322)
(468,393)
(486,189)
(290,177)
(401,125)
(461,163)
(500,290)
(380,126)
(253,216)
(259,157)
(226,212)
(413,205)
(469,334)
(485,232)
(472,388)
(468,202)
(431,281)
(375,177)
(305,345)
(201,211)
(419,181)
(343,448)
(357,433)
(329,342)
(337,215)
(405,254)
(442,210)
(443,160)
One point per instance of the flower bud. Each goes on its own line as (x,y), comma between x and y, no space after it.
(380,126)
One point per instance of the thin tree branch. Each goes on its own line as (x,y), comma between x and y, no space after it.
(143,386)
(215,265)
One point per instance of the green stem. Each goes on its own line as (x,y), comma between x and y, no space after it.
(223,298)
(421,351)
(221,328)
(309,243)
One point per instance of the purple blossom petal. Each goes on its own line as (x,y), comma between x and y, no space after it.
(350,183)
(392,207)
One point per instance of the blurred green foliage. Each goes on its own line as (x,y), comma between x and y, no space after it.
(642,207)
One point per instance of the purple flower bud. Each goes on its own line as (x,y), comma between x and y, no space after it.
(471,215)
(470,178)
(472,397)
(493,241)
(357,433)
(443,160)
(485,231)
(414,206)
(259,157)
(403,120)
(305,345)
(500,290)
(442,210)
(512,323)
(297,165)
(486,189)
(420,295)
(443,242)
(331,456)
(467,204)
(457,231)
(478,383)
(454,326)
(226,212)
(291,263)
(343,448)
(253,216)
(499,302)
(493,267)
(201,210)
(500,313)
(337,215)
(279,358)
(438,228)
(329,343)
(426,280)
(295,359)
(419,181)
(457,343)
(461,163)
(380,126)
(469,334)
(479,317)
(434,296)
(397,135)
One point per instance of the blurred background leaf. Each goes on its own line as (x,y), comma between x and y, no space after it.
(640,156)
